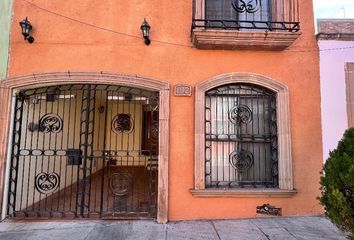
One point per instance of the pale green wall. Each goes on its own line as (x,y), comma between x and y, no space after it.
(5,22)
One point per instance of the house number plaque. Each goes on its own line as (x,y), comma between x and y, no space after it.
(182,90)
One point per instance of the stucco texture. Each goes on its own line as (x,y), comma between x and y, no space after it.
(334,55)
(5,21)
(62,44)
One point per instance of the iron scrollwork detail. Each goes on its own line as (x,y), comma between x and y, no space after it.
(240,114)
(241,160)
(122,123)
(50,123)
(241,6)
(155,131)
(120,184)
(47,182)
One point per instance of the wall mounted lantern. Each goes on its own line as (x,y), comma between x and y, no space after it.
(145,28)
(26,28)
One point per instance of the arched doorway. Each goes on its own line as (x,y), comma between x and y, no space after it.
(88,150)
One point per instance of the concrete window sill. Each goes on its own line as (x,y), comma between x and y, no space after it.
(242,40)
(243,193)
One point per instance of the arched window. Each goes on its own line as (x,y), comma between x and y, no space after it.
(242,137)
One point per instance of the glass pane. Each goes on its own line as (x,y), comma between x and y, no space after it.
(240,140)
(251,13)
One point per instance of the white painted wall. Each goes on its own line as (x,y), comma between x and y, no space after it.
(333,93)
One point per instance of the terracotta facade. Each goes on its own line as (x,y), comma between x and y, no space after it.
(101,43)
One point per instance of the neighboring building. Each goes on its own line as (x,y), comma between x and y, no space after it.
(203,123)
(5,22)
(336,43)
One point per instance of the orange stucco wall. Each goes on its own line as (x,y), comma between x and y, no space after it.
(62,44)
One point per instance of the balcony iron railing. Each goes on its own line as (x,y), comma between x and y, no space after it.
(246,15)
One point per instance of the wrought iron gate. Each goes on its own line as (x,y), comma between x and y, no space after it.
(84,150)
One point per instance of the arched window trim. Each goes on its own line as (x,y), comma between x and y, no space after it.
(284,136)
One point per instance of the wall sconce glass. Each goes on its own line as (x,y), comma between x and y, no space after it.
(26,28)
(145,28)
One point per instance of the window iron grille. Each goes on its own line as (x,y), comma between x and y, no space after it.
(241,137)
(246,15)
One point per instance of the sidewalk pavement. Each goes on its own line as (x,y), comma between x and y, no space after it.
(283,228)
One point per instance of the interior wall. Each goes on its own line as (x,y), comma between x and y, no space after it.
(30,166)
(126,142)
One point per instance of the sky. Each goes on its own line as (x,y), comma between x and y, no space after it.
(334,8)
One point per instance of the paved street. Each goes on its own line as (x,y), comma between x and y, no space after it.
(283,228)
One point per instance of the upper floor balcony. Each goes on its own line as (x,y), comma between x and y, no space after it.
(245,24)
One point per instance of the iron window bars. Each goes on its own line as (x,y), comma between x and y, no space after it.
(241,137)
(271,15)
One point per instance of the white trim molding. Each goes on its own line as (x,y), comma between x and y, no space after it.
(284,134)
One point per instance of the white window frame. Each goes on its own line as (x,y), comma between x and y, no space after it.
(286,188)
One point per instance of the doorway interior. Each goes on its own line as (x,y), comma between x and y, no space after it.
(84,150)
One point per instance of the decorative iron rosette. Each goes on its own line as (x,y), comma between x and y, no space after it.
(120,184)
(47,182)
(50,123)
(240,114)
(241,160)
(122,123)
(155,131)
(241,6)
